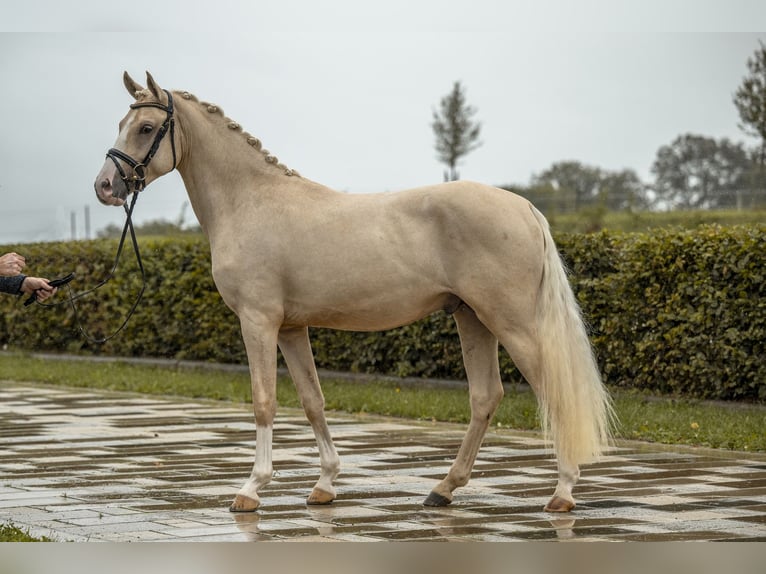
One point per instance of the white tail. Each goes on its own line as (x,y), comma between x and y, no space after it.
(575,407)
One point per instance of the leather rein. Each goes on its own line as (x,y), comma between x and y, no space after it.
(136,181)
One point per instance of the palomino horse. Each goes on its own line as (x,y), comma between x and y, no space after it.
(289,253)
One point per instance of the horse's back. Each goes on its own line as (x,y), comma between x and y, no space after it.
(460,213)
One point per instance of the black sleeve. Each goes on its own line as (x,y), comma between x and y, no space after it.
(12,285)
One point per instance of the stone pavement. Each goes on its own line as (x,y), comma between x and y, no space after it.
(79,465)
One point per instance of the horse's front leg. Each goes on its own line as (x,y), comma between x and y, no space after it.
(296,350)
(261,344)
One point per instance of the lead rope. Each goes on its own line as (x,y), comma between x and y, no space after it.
(128,226)
(139,181)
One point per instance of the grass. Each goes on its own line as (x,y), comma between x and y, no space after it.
(11,533)
(589,220)
(642,417)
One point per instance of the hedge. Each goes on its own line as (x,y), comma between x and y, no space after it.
(674,312)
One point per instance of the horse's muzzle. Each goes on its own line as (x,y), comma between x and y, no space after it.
(110,189)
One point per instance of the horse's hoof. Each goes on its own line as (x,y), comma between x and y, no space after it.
(244,504)
(558,504)
(436,499)
(319,496)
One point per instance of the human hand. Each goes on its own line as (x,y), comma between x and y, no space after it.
(38,286)
(11,264)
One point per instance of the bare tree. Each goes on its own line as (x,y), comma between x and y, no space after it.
(456,132)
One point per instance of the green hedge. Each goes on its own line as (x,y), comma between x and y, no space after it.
(676,312)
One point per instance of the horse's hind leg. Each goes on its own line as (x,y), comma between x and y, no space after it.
(524,350)
(296,349)
(479,347)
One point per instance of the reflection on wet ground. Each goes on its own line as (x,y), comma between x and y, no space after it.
(81,465)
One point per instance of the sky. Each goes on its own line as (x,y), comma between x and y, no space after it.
(343,91)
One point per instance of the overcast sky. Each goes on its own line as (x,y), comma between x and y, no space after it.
(343,91)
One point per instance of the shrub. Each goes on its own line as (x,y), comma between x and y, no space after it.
(678,312)
(181,314)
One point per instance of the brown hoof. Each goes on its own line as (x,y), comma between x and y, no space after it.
(558,504)
(319,496)
(244,504)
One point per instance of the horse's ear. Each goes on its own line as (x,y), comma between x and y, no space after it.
(155,89)
(131,85)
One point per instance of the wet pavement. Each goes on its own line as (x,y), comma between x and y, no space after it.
(79,465)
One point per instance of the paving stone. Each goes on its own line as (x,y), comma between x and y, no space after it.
(86,466)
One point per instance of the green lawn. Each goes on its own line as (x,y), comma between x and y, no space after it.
(589,220)
(641,417)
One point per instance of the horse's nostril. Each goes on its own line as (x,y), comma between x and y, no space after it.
(106,184)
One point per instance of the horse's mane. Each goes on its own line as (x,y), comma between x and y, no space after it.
(234,126)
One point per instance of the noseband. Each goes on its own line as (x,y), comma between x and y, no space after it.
(137,180)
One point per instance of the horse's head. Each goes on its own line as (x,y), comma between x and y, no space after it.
(145,148)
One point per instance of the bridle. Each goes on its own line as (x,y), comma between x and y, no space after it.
(138,177)
(138,181)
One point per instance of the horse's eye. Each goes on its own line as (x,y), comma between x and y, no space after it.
(147,128)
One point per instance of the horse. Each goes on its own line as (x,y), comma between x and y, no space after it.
(288,253)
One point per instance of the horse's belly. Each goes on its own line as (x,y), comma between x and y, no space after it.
(371,313)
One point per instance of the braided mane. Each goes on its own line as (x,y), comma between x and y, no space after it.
(252,141)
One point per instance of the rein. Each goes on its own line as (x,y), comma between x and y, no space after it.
(136,181)
(72,298)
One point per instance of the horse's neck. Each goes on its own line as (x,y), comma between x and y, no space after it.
(224,176)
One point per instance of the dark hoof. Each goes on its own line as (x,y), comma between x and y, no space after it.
(435,499)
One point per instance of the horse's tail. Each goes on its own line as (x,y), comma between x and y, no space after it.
(575,408)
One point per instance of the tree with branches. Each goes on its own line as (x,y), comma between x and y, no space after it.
(698,172)
(750,100)
(457,134)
